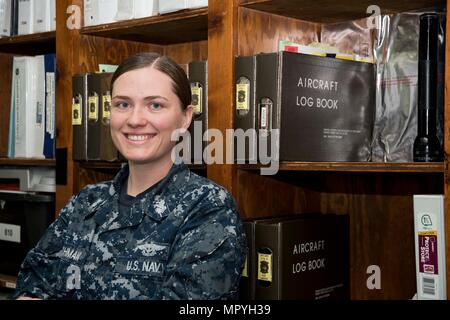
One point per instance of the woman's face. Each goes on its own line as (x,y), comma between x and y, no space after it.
(145,112)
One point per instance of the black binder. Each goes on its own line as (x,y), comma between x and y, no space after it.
(245,109)
(108,151)
(324,107)
(79,116)
(198,77)
(93,117)
(247,284)
(303,257)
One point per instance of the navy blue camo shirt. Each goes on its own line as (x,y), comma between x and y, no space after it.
(182,240)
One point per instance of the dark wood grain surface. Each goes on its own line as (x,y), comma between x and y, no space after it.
(177,27)
(326,11)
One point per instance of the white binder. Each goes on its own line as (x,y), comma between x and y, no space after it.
(42,16)
(192,4)
(5,18)
(89,12)
(99,11)
(26,13)
(52,15)
(29,123)
(145,8)
(125,10)
(430,247)
(166,6)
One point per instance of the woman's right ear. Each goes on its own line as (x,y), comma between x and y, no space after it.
(187,119)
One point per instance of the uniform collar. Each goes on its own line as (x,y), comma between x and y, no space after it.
(157,203)
(160,201)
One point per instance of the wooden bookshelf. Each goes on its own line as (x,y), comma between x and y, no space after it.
(353,167)
(30,44)
(22,162)
(178,27)
(377,197)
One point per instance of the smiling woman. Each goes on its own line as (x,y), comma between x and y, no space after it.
(148,106)
(157,231)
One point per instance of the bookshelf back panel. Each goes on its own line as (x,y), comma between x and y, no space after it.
(97,50)
(335,11)
(260,32)
(186,52)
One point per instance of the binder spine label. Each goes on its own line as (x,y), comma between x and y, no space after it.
(265,115)
(242,95)
(427,246)
(430,247)
(428,252)
(106,108)
(76,111)
(93,107)
(265,267)
(39,114)
(197,94)
(50,105)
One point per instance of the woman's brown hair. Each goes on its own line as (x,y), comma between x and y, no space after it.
(180,82)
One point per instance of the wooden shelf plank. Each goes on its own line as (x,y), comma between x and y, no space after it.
(29,44)
(178,27)
(328,11)
(28,162)
(7,281)
(437,167)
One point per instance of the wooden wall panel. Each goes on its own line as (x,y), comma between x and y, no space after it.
(265,196)
(186,52)
(99,50)
(5,101)
(260,32)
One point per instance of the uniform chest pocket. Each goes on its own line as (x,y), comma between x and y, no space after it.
(70,268)
(138,274)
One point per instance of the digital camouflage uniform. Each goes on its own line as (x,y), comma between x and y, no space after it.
(182,240)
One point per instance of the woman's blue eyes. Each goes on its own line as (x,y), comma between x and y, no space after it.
(125,105)
(122,105)
(156,106)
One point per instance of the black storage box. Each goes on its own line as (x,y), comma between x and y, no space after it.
(23,220)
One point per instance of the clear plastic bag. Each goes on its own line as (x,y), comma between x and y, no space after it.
(392,43)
